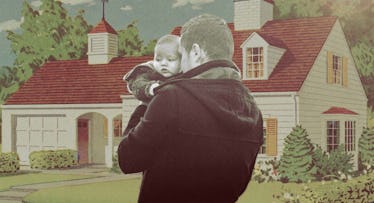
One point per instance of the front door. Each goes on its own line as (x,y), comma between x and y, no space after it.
(83,141)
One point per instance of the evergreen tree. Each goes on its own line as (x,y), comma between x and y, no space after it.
(296,163)
(130,43)
(366,148)
(47,34)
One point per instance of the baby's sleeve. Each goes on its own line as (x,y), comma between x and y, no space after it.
(140,79)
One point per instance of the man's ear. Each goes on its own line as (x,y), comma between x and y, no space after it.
(197,54)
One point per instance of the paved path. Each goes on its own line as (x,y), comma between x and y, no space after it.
(17,193)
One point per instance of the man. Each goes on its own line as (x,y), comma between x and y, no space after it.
(200,135)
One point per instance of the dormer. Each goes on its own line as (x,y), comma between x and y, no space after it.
(260,57)
(252,14)
(102,43)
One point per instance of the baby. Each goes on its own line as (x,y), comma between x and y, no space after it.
(143,78)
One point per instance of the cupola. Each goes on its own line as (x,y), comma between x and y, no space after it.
(252,14)
(102,42)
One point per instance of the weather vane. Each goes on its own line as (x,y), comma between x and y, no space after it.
(104,1)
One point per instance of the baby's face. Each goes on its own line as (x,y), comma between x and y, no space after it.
(167,59)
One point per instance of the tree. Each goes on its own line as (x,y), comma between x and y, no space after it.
(296,163)
(366,149)
(47,34)
(297,8)
(149,48)
(130,43)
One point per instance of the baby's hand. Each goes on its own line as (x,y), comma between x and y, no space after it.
(152,87)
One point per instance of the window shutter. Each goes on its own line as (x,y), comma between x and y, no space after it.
(345,71)
(330,71)
(271,136)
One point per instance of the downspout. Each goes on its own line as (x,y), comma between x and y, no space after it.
(296,106)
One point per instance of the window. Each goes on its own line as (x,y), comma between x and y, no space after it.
(350,135)
(337,69)
(332,135)
(263,146)
(255,62)
(117,128)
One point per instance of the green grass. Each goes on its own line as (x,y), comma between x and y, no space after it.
(108,192)
(128,190)
(25,179)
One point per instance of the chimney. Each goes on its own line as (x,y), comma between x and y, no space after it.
(252,14)
(102,43)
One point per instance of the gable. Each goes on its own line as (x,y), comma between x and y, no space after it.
(302,38)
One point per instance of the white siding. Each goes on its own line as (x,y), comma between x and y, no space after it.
(281,107)
(266,12)
(316,96)
(273,56)
(251,14)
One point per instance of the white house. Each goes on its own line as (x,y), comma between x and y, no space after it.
(300,71)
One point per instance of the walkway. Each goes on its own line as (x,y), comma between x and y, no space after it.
(17,193)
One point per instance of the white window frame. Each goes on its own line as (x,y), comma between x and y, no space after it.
(350,135)
(337,69)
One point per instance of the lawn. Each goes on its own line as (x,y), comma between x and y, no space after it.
(25,179)
(127,191)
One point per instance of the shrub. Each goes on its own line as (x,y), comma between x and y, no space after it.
(115,166)
(49,159)
(366,149)
(296,163)
(336,165)
(357,190)
(9,162)
(266,171)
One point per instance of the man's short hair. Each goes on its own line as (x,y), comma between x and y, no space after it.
(211,33)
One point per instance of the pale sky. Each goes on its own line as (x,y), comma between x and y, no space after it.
(155,17)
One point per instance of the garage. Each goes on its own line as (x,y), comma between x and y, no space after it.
(34,133)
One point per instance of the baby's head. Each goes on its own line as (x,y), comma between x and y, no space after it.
(167,57)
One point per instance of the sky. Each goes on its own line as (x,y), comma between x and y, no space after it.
(155,17)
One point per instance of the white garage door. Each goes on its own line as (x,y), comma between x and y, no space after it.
(35,133)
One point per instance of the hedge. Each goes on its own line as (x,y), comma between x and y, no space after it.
(360,189)
(49,159)
(9,162)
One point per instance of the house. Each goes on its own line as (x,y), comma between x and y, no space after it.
(300,71)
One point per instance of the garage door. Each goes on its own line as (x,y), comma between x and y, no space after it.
(35,133)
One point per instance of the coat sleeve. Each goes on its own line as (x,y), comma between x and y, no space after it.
(147,139)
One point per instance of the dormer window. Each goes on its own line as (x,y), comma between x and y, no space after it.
(255,63)
(259,57)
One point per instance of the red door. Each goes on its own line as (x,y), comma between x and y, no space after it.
(83,141)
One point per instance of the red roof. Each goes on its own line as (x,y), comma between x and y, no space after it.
(339,110)
(76,82)
(103,27)
(302,38)
(270,1)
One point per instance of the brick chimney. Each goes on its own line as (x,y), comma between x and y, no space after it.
(252,14)
(102,43)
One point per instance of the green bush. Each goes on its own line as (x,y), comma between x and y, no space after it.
(296,163)
(366,149)
(266,171)
(337,164)
(9,162)
(360,189)
(115,166)
(49,159)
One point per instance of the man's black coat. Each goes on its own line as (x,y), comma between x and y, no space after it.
(198,139)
